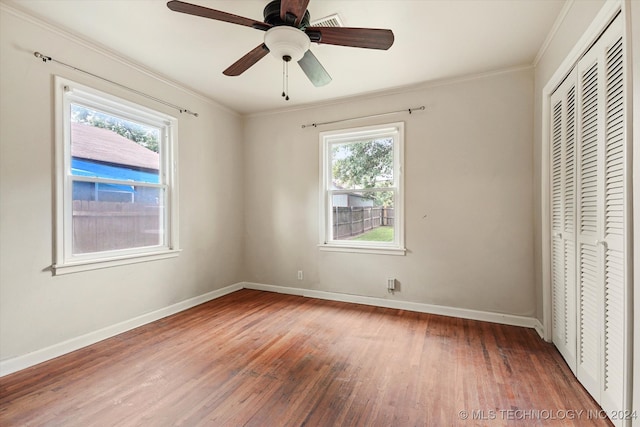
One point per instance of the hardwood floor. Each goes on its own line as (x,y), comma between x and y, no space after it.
(264,359)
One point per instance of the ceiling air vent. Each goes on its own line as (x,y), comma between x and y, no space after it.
(328,21)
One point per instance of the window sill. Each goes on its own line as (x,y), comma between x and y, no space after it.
(95,264)
(363,249)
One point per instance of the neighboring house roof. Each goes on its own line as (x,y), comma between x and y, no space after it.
(103,145)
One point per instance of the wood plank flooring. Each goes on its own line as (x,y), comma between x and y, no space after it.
(255,358)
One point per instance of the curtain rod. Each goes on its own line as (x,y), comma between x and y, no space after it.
(407,110)
(168,104)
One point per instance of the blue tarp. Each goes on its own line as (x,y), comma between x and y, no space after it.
(82,167)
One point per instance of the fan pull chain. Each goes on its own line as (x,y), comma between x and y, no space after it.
(285,76)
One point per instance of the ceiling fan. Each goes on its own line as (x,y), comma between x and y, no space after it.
(288,36)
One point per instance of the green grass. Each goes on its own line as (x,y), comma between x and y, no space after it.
(380,234)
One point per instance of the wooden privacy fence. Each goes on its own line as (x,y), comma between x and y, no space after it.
(105,226)
(351,221)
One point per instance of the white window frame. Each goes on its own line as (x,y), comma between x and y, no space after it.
(66,93)
(327,139)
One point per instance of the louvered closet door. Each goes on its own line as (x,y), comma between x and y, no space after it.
(601,220)
(563,218)
(590,298)
(613,238)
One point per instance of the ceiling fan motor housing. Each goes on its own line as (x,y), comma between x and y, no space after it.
(272,16)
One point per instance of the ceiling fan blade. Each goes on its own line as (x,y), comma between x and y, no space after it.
(295,8)
(370,38)
(314,70)
(244,63)
(205,12)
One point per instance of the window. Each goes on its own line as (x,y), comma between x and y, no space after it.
(116,200)
(361,190)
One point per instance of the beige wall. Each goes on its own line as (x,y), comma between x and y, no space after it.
(469,202)
(38,310)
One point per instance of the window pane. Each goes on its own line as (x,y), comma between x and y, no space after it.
(362,164)
(105,146)
(363,216)
(110,217)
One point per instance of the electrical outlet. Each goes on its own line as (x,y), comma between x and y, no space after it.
(391,284)
(300,275)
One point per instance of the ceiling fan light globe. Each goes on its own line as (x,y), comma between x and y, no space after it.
(287,41)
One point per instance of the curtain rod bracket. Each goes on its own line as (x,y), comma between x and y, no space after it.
(189,112)
(41,56)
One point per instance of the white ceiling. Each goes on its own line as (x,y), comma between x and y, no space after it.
(434,39)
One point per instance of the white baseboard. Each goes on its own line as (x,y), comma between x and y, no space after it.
(15,364)
(18,363)
(486,316)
